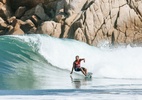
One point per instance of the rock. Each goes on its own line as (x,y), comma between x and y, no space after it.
(20,11)
(50,8)
(16,30)
(76,25)
(79,35)
(73,6)
(51,28)
(3,25)
(39,11)
(114,16)
(2,32)
(122,3)
(5,11)
(124,14)
(59,18)
(35,20)
(65,31)
(138,39)
(28,26)
(3,1)
(15,4)
(11,19)
(49,1)
(60,14)
(99,36)
(140,9)
(105,8)
(1,20)
(28,14)
(113,21)
(121,38)
(69,21)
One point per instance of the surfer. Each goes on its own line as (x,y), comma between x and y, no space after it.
(77,67)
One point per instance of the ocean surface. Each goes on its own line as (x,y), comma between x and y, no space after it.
(37,67)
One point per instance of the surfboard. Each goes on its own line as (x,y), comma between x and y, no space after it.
(89,75)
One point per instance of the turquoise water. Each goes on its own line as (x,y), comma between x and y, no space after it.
(38,67)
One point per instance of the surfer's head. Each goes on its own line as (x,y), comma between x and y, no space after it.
(77,57)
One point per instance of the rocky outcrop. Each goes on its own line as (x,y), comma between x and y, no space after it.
(51,28)
(117,21)
(91,21)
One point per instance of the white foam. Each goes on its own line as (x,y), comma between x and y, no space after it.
(114,63)
(77,96)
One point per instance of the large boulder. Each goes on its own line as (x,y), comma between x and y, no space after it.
(51,28)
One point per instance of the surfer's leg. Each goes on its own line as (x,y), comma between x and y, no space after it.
(80,69)
(85,70)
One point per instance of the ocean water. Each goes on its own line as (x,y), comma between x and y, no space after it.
(38,67)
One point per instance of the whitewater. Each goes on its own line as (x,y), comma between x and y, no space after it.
(32,66)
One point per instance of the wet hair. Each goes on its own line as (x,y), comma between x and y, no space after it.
(77,56)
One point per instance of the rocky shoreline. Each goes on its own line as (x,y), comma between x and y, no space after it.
(90,21)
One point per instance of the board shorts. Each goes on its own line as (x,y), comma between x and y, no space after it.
(79,69)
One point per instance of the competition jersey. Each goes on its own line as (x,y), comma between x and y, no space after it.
(77,63)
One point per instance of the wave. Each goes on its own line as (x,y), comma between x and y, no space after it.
(21,64)
(29,55)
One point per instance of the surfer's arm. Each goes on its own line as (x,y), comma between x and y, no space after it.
(82,59)
(72,69)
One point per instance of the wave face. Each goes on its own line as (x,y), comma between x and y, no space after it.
(31,57)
